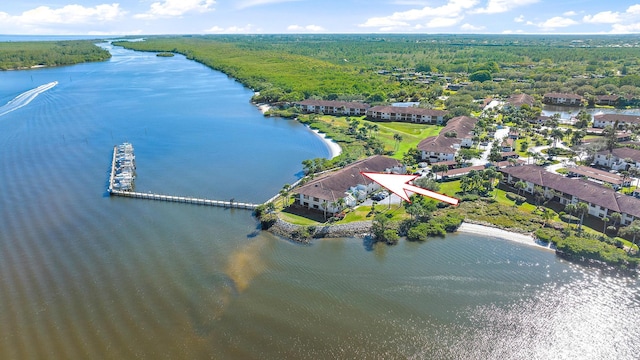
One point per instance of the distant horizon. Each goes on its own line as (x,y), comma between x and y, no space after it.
(254,17)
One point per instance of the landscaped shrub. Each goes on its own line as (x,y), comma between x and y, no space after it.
(570,218)
(470,197)
(267,220)
(519,199)
(548,235)
(451,222)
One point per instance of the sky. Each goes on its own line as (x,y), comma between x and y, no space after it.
(147,17)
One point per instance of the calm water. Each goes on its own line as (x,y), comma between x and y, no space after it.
(83,275)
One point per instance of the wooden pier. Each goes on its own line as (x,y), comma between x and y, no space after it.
(170,198)
(184,199)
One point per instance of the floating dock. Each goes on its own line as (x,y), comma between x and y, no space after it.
(123,174)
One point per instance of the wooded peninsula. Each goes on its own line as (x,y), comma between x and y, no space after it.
(30,54)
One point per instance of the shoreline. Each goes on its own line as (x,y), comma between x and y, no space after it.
(490,231)
(334,148)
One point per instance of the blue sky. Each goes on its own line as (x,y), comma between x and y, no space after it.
(132,17)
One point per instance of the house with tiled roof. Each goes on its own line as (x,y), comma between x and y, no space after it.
(347,183)
(406,114)
(602,120)
(601,200)
(607,100)
(617,158)
(562,99)
(458,133)
(349,108)
(517,100)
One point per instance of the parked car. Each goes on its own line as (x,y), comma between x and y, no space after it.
(380,196)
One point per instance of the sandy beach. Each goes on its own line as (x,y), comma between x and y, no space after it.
(264,108)
(334,148)
(501,234)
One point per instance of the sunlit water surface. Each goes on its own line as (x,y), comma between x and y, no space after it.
(85,276)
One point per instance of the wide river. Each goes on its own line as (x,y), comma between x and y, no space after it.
(86,276)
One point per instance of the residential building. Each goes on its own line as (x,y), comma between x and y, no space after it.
(406,114)
(517,100)
(351,108)
(601,200)
(607,100)
(598,176)
(347,183)
(602,120)
(456,134)
(618,159)
(562,99)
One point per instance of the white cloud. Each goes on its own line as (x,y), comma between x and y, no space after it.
(251,3)
(175,8)
(450,13)
(570,13)
(554,23)
(500,6)
(247,29)
(519,19)
(312,28)
(443,22)
(634,9)
(469,27)
(625,28)
(605,17)
(68,15)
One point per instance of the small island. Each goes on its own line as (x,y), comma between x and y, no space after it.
(165,54)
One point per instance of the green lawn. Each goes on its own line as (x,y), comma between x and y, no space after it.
(360,213)
(412,134)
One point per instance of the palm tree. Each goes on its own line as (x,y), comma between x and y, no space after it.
(520,185)
(605,220)
(546,216)
(341,203)
(465,184)
(582,209)
(284,192)
(324,207)
(616,217)
(556,134)
(570,208)
(634,227)
(398,138)
(635,172)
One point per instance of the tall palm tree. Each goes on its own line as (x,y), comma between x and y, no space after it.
(398,138)
(634,227)
(616,217)
(582,208)
(570,208)
(605,220)
(284,193)
(546,216)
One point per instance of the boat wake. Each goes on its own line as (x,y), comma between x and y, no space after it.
(25,98)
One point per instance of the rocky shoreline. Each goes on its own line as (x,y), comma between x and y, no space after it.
(304,234)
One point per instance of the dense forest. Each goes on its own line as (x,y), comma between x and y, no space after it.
(23,55)
(380,68)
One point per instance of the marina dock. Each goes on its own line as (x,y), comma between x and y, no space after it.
(121,183)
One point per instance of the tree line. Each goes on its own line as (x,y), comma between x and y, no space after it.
(21,55)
